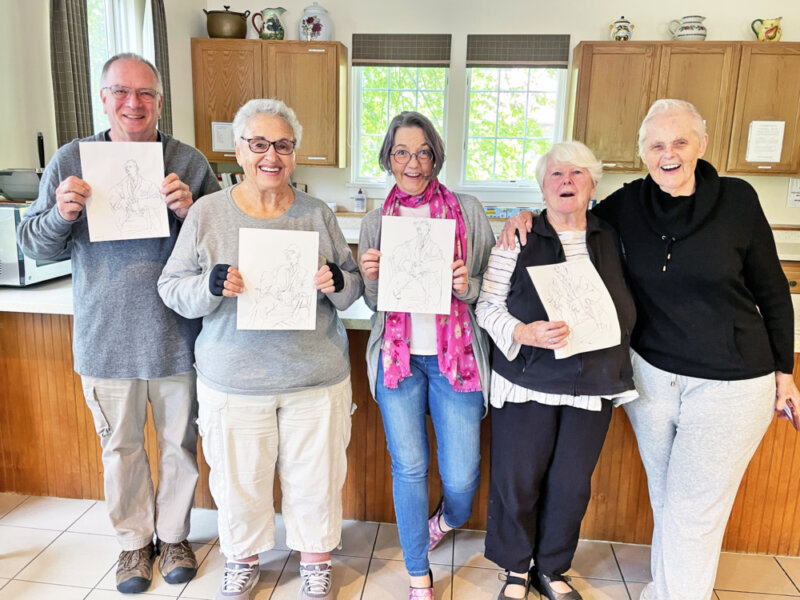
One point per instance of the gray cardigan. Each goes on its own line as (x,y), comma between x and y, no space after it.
(480,241)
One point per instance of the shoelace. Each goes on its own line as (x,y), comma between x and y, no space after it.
(177,552)
(317,580)
(131,558)
(234,579)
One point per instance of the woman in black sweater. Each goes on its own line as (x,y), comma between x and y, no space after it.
(713,342)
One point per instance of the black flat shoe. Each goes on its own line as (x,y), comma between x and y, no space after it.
(542,585)
(512,580)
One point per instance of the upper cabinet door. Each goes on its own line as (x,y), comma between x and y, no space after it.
(768,90)
(616,84)
(311,79)
(704,74)
(226,74)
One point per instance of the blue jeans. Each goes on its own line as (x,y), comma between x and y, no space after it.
(456,420)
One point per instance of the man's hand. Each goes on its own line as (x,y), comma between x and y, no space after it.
(177,195)
(522,222)
(71,195)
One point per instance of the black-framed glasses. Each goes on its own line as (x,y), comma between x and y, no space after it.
(403,157)
(260,145)
(122,92)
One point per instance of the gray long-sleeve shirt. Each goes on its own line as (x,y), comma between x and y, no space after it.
(257,361)
(121,327)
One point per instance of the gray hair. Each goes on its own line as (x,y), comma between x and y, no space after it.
(270,107)
(131,56)
(671,105)
(574,153)
(412,118)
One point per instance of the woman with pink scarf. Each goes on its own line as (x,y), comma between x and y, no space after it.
(422,364)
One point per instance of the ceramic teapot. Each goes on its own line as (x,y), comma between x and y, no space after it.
(689,28)
(621,30)
(315,24)
(271,24)
(768,30)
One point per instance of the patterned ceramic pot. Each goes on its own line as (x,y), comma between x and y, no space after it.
(315,24)
(689,28)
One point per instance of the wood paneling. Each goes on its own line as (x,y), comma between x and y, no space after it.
(48,447)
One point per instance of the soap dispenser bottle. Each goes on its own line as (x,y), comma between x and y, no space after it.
(360,202)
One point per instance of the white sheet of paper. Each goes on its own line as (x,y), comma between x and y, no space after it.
(278,270)
(222,137)
(765,141)
(126,201)
(415,274)
(793,193)
(573,292)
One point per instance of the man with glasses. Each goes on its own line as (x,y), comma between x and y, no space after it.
(129,348)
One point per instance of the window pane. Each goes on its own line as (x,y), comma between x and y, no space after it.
(480,160)
(431,79)
(514,79)
(404,78)
(98,54)
(370,167)
(545,80)
(484,79)
(431,104)
(374,108)
(375,77)
(541,116)
(482,114)
(400,101)
(509,160)
(511,115)
(534,149)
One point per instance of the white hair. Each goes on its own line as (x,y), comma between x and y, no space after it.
(266,106)
(574,153)
(671,106)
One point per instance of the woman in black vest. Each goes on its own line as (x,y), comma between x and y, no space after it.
(550,415)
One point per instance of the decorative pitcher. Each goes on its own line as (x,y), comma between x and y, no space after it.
(768,30)
(315,24)
(689,28)
(621,30)
(271,25)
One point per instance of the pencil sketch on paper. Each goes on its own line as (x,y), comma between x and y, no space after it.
(573,292)
(415,273)
(126,201)
(278,270)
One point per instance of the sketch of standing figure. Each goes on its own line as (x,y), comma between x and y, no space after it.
(135,201)
(417,265)
(281,298)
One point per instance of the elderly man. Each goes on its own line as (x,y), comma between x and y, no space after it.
(129,348)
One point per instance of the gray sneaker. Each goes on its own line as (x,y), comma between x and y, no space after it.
(176,562)
(316,582)
(135,570)
(238,580)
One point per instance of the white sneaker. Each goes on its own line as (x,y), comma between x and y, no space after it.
(316,581)
(238,580)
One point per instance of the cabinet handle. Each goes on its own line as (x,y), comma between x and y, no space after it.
(792,283)
(316,158)
(764,166)
(229,155)
(609,164)
(317,50)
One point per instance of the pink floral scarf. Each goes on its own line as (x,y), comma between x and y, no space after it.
(453,331)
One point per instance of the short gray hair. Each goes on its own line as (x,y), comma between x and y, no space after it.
(131,56)
(266,106)
(671,105)
(574,153)
(412,118)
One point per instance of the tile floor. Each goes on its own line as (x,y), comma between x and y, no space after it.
(57,548)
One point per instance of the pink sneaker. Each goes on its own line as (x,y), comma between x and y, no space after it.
(435,532)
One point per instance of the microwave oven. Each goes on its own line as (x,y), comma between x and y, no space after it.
(16,269)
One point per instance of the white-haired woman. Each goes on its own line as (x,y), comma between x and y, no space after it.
(549,416)
(268,399)
(713,343)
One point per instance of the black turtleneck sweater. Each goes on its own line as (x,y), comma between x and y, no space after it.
(711,298)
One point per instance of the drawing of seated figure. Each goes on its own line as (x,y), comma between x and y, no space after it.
(578,303)
(282,298)
(417,268)
(135,201)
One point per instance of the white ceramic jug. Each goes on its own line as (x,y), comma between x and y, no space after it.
(689,28)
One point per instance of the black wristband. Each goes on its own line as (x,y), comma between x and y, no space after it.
(216,281)
(338,277)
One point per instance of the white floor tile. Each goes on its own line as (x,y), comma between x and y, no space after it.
(349,575)
(388,580)
(19,546)
(203,526)
(634,562)
(27,590)
(752,573)
(95,520)
(476,584)
(600,589)
(469,547)
(723,595)
(76,559)
(98,594)
(387,546)
(206,583)
(9,501)
(791,564)
(594,560)
(47,512)
(358,538)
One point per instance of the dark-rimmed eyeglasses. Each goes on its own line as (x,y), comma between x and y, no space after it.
(122,92)
(260,145)
(403,157)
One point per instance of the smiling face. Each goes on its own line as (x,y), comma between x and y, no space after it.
(132,119)
(269,172)
(567,189)
(412,178)
(671,149)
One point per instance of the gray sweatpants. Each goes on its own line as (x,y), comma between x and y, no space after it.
(696,438)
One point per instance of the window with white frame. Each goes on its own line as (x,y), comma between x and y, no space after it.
(391,74)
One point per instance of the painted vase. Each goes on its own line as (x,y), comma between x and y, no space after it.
(315,24)
(689,28)
(621,30)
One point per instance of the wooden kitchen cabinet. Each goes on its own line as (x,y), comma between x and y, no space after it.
(309,77)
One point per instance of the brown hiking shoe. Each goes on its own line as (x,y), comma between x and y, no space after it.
(176,562)
(135,569)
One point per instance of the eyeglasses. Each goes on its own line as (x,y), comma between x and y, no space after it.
(403,157)
(260,145)
(122,92)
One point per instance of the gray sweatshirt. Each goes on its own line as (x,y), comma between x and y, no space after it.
(121,328)
(257,361)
